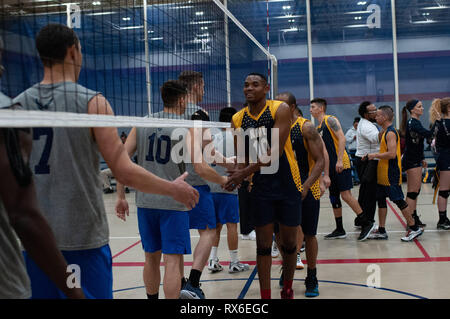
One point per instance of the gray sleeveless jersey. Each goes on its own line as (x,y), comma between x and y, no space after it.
(193,178)
(223,142)
(154,148)
(14,282)
(65,162)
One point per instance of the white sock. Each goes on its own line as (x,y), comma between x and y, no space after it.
(234,256)
(213,254)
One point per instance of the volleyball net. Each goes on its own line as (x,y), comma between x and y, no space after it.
(129,49)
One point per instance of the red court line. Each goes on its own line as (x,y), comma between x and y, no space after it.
(322,261)
(121,252)
(419,245)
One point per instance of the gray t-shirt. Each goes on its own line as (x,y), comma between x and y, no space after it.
(154,153)
(223,142)
(66,167)
(14,281)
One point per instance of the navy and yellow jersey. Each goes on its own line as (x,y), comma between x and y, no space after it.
(287,179)
(332,144)
(304,160)
(389,170)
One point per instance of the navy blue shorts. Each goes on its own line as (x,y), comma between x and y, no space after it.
(341,182)
(203,213)
(165,230)
(393,192)
(310,214)
(95,270)
(406,165)
(443,161)
(287,212)
(226,207)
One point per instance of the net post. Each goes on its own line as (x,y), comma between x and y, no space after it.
(227,55)
(147,60)
(310,60)
(273,76)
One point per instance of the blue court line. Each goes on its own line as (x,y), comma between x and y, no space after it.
(248,283)
(253,275)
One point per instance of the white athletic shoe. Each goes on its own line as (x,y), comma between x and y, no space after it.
(249,236)
(299,262)
(214,265)
(237,267)
(275,251)
(411,234)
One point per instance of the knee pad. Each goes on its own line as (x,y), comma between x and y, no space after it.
(335,201)
(382,203)
(444,194)
(401,204)
(412,195)
(264,251)
(289,250)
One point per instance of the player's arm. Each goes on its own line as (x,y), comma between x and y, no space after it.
(201,167)
(122,209)
(28,222)
(128,173)
(337,129)
(315,149)
(391,142)
(283,125)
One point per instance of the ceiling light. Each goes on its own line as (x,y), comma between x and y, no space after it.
(199,13)
(126,18)
(361,3)
(96,3)
(286,7)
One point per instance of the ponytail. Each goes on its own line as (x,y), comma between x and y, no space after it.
(404,121)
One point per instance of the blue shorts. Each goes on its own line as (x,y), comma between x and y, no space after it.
(310,214)
(341,182)
(165,230)
(287,212)
(226,207)
(203,213)
(95,274)
(393,192)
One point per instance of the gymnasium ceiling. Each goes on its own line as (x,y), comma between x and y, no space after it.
(332,20)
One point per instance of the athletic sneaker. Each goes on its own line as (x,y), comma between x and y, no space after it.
(214,265)
(377,235)
(299,262)
(237,267)
(411,234)
(336,234)
(365,231)
(312,287)
(358,221)
(191,292)
(444,224)
(249,236)
(302,249)
(287,294)
(275,251)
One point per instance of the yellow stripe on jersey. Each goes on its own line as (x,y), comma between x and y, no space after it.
(389,171)
(315,188)
(345,158)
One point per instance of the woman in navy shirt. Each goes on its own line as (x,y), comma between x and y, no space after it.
(413,159)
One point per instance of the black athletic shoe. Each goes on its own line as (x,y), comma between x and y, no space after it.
(365,231)
(444,224)
(418,221)
(336,234)
(312,287)
(358,221)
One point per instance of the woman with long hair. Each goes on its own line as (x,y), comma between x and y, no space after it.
(413,159)
(442,143)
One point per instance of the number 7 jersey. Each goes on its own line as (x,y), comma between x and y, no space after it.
(65,162)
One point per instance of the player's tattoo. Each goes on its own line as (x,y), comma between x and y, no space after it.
(334,124)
